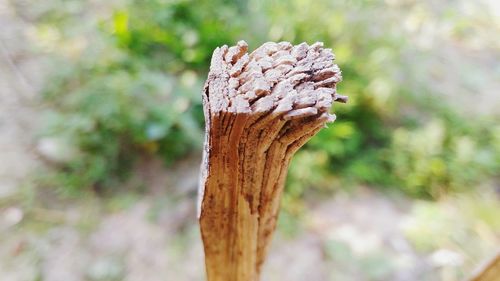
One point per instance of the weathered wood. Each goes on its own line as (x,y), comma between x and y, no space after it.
(260,108)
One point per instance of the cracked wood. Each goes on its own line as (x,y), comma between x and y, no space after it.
(260,108)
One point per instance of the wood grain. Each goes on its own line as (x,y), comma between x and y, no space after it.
(260,108)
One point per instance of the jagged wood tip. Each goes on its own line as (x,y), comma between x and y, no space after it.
(260,108)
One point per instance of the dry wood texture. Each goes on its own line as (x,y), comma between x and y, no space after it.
(260,108)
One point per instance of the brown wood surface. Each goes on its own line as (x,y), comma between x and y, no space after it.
(260,108)
(489,271)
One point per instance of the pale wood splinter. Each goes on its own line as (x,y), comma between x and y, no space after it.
(260,108)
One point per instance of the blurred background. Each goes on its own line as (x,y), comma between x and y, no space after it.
(101,128)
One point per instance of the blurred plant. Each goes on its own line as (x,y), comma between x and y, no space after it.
(113,118)
(383,137)
(175,35)
(133,87)
(433,159)
(464,226)
(373,265)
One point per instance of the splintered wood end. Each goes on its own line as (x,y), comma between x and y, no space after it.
(260,108)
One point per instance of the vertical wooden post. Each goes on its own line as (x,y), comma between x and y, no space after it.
(260,108)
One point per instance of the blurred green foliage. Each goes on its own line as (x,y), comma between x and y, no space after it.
(133,89)
(465,224)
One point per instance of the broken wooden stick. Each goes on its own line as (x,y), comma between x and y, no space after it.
(260,108)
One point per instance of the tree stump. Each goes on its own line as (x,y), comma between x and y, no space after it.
(260,108)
